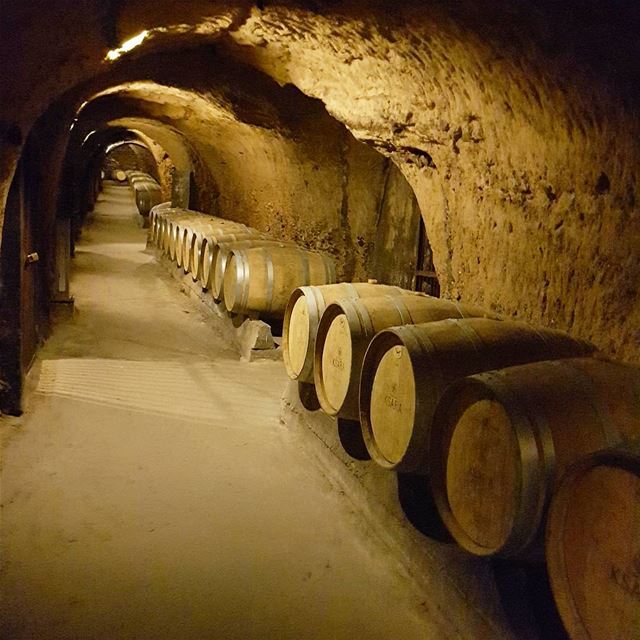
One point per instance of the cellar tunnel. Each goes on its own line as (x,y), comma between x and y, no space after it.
(486,153)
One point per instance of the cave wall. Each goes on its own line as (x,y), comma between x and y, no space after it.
(270,157)
(515,124)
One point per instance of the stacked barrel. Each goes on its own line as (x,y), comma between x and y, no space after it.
(146,190)
(502,420)
(246,270)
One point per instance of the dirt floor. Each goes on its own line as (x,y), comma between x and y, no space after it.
(151,491)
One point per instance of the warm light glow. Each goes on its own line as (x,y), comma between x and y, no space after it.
(129,44)
(88,136)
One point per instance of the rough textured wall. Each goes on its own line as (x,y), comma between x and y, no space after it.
(515,123)
(523,163)
(274,159)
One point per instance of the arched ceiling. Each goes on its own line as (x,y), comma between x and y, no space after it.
(516,124)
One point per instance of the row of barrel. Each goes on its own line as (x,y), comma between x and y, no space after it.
(502,419)
(146,190)
(246,269)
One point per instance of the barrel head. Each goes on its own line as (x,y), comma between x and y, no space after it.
(593,553)
(393,400)
(298,336)
(336,364)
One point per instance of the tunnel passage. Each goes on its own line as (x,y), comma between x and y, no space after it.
(504,128)
(508,130)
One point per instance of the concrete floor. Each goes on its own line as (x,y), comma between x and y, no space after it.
(150,491)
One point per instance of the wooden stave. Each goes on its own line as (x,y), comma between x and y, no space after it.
(539,458)
(358,316)
(422,352)
(242,292)
(625,458)
(221,252)
(316,305)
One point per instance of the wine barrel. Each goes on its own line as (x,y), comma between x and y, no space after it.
(120,175)
(173,231)
(158,217)
(218,257)
(347,327)
(180,220)
(154,219)
(209,245)
(147,194)
(185,231)
(302,317)
(502,439)
(196,239)
(132,176)
(593,546)
(406,370)
(168,221)
(262,278)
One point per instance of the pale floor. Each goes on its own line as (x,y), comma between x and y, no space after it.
(151,492)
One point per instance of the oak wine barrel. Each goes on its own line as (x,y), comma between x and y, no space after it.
(220,253)
(345,331)
(209,246)
(262,278)
(190,220)
(170,228)
(148,194)
(187,229)
(235,230)
(302,317)
(176,229)
(406,370)
(154,219)
(502,439)
(593,546)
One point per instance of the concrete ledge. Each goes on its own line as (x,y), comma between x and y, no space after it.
(250,336)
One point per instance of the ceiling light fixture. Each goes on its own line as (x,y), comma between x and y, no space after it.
(127,45)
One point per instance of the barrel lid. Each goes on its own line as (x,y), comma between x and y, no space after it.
(336,362)
(593,551)
(230,284)
(393,401)
(298,335)
(482,473)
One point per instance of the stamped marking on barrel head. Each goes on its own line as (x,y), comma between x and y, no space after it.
(628,580)
(393,403)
